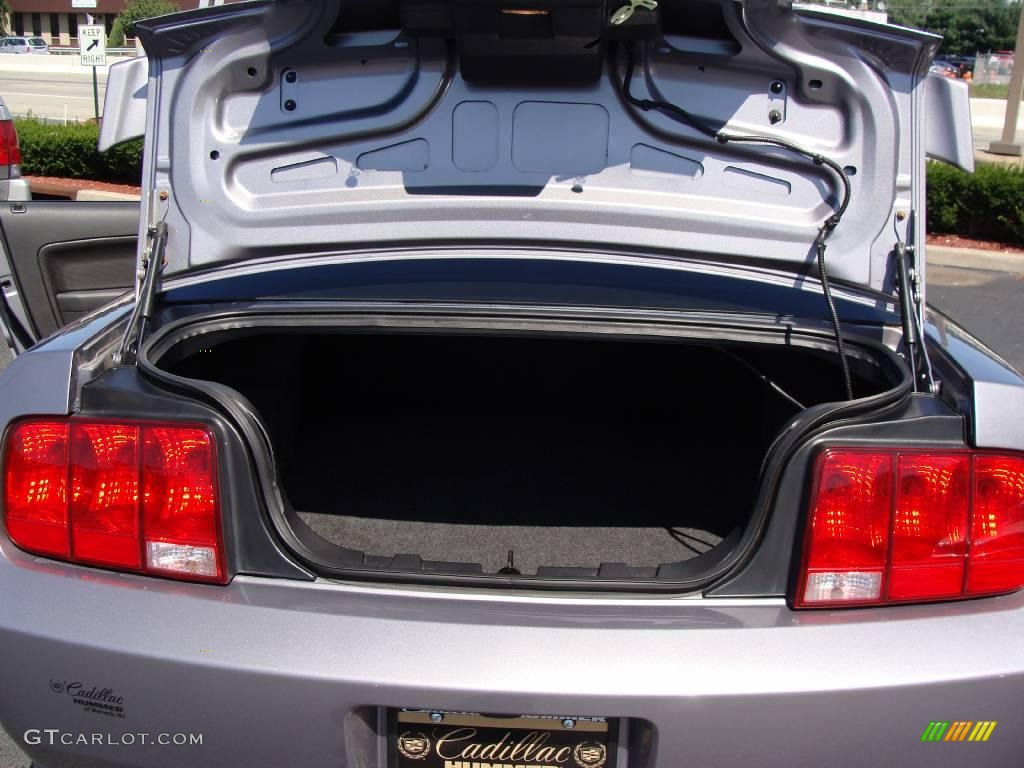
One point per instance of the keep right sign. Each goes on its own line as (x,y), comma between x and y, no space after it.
(92,42)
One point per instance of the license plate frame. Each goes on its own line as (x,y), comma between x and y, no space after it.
(413,740)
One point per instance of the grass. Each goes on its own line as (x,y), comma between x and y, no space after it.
(988,91)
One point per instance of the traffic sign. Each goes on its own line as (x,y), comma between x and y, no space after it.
(92,42)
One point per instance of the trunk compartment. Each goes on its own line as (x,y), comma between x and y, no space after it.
(586,456)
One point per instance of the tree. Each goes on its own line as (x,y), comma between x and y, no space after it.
(116,37)
(137,10)
(5,17)
(967,26)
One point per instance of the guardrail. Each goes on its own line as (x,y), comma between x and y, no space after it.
(126,51)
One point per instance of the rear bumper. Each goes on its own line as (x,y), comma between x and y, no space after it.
(289,673)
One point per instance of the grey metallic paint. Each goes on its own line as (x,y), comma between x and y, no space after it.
(272,673)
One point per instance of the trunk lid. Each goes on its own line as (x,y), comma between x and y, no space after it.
(309,127)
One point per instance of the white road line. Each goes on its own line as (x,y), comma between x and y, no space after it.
(45,96)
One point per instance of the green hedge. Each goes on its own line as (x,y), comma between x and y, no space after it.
(69,151)
(985,205)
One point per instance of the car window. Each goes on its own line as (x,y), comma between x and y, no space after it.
(37,41)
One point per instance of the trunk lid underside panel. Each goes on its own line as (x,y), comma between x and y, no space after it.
(296,130)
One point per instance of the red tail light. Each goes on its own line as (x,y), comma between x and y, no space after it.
(896,525)
(36,486)
(10,152)
(137,497)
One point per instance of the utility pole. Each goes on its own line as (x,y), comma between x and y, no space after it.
(1013,98)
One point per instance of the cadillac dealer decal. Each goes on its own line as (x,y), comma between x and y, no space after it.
(461,740)
(91,698)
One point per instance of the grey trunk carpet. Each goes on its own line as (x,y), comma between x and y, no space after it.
(534,545)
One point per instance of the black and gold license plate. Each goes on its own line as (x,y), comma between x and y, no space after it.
(421,739)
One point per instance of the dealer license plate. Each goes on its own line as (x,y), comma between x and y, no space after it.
(463,740)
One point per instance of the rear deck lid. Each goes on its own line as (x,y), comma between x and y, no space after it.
(309,127)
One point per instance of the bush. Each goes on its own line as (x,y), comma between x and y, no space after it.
(69,151)
(985,205)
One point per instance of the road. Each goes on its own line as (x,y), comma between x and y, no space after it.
(983,136)
(50,95)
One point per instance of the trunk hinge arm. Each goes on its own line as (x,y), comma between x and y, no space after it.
(149,274)
(18,337)
(908,286)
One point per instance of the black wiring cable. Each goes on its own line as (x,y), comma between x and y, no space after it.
(826,229)
(681,537)
(771,384)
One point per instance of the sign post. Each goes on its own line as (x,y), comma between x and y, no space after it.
(1008,146)
(92,44)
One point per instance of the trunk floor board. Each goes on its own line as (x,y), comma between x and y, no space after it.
(534,546)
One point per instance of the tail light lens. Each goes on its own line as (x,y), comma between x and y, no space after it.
(131,496)
(10,151)
(905,525)
(996,552)
(36,486)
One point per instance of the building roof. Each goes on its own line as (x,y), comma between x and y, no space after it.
(64,6)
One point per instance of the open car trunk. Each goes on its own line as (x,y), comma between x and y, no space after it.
(554,457)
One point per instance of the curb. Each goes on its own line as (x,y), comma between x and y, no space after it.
(972,258)
(92,195)
(78,189)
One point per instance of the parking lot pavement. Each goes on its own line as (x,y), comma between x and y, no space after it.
(10,755)
(988,303)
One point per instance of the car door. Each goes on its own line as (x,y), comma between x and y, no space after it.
(59,260)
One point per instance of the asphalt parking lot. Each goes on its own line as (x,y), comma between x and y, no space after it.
(10,755)
(987,302)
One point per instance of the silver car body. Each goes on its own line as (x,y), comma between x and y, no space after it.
(280,672)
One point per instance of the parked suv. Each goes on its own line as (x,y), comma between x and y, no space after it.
(24,45)
(545,384)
